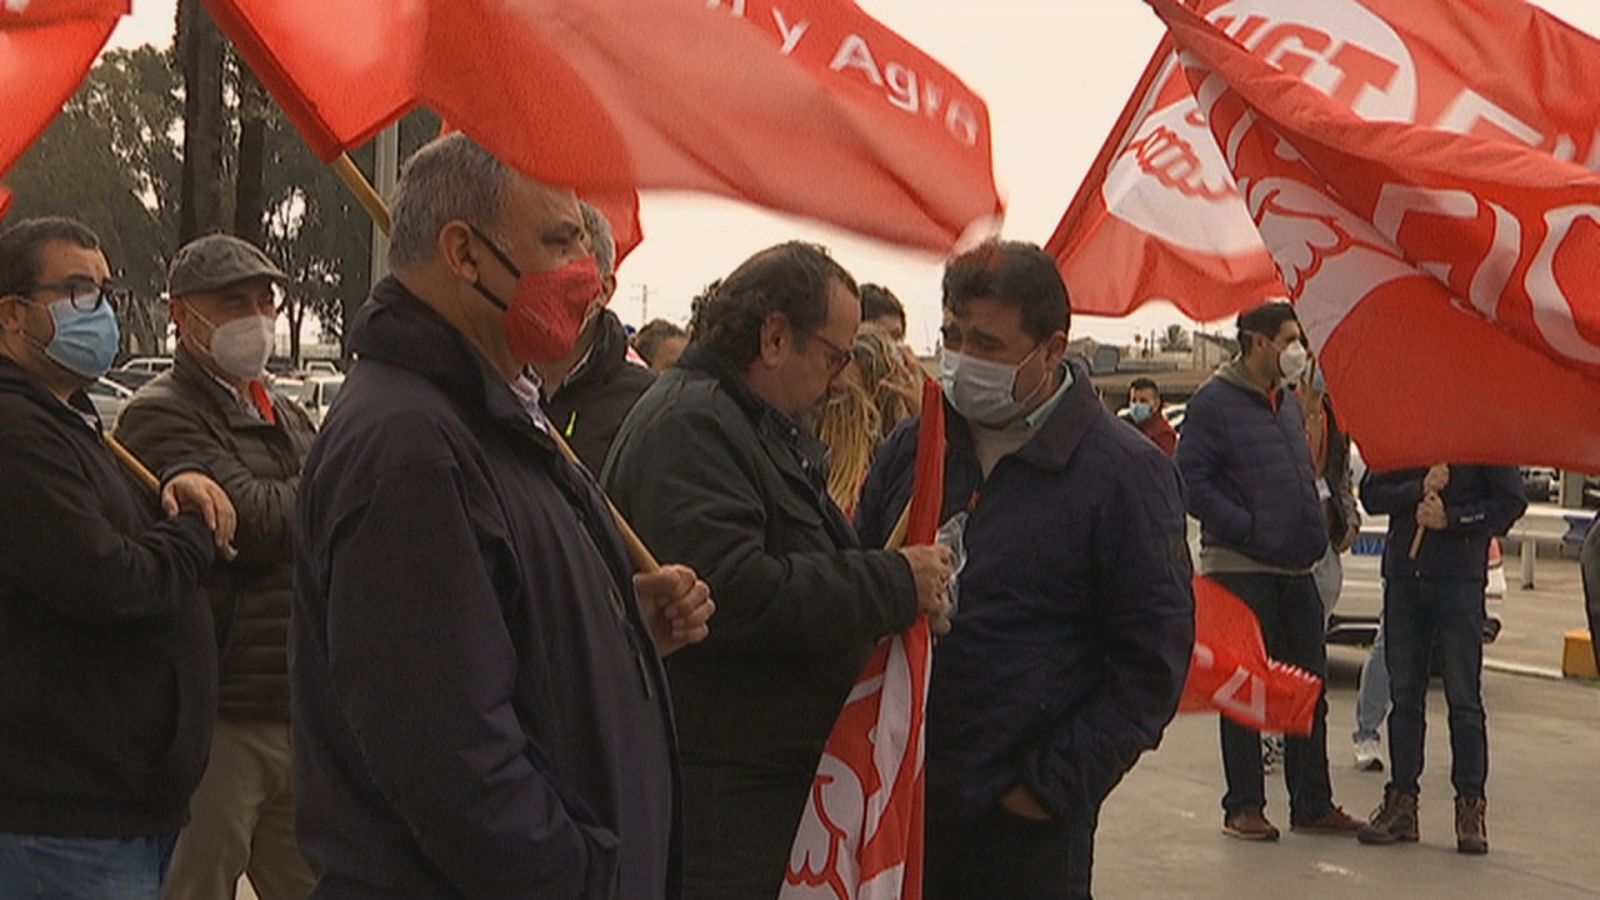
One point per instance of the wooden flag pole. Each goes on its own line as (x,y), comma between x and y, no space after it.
(365,193)
(148,478)
(368,197)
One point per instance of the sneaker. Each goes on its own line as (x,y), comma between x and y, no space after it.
(1271,752)
(1472,832)
(1250,825)
(1335,821)
(1369,756)
(1393,822)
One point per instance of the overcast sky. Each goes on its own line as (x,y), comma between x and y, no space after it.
(1050,111)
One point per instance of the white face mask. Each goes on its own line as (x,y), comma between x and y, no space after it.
(982,391)
(1292,361)
(242,347)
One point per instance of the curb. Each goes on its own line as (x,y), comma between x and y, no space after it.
(1511,668)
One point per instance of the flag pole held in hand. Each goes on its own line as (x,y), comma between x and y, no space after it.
(148,478)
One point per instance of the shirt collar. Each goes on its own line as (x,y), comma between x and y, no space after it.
(1034,419)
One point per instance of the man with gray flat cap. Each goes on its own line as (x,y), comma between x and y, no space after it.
(216,407)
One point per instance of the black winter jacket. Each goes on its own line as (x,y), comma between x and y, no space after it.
(590,406)
(108,657)
(479,711)
(1481,502)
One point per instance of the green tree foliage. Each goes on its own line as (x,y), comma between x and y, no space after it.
(114,160)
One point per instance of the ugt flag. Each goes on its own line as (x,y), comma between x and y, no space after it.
(804,106)
(1231,674)
(1159,215)
(1451,283)
(46,49)
(861,835)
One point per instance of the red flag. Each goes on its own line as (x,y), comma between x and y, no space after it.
(1411,251)
(1232,675)
(5,203)
(805,106)
(1159,216)
(861,835)
(46,49)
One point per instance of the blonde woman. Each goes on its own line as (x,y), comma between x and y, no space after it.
(881,391)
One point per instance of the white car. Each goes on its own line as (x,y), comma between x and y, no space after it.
(317,393)
(108,398)
(320,367)
(153,364)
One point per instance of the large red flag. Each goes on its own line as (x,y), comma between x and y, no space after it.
(1451,282)
(46,49)
(861,835)
(1159,216)
(1231,674)
(805,106)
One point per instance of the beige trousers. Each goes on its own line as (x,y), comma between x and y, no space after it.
(242,820)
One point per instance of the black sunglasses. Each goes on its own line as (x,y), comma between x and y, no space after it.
(83,294)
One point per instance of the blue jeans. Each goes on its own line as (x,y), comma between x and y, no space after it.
(1421,615)
(1372,702)
(1290,611)
(34,867)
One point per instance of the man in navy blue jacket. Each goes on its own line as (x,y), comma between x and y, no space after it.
(1247,467)
(1075,620)
(1433,601)
(478,709)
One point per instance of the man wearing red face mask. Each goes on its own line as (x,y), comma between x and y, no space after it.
(480,709)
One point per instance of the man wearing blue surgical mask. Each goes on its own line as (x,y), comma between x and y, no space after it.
(1075,585)
(107,653)
(1145,410)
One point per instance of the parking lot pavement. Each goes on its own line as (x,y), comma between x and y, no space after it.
(1160,832)
(1533,621)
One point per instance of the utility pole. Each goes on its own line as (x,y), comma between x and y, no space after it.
(644,305)
(386,173)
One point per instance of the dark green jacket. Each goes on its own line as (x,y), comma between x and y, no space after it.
(187,415)
(714,478)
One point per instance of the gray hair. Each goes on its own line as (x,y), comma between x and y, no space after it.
(601,238)
(449,178)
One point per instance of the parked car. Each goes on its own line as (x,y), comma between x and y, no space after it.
(132,379)
(320,367)
(155,365)
(317,393)
(108,398)
(1540,484)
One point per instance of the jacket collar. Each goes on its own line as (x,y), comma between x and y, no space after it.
(1234,374)
(189,370)
(1057,438)
(396,328)
(607,354)
(78,410)
(799,456)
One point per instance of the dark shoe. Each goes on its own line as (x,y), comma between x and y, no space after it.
(1250,825)
(1472,832)
(1335,821)
(1393,822)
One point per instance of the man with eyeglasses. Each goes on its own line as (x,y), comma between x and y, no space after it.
(107,653)
(215,406)
(716,467)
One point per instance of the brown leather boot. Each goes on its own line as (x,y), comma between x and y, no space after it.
(1472,832)
(1393,822)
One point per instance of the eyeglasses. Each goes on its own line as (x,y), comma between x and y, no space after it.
(83,294)
(838,357)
